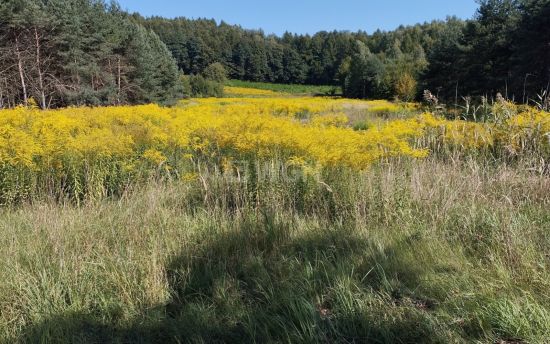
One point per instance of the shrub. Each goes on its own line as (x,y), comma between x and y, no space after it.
(199,87)
(215,72)
(405,87)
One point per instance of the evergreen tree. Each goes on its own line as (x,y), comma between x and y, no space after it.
(367,75)
(81,52)
(531,50)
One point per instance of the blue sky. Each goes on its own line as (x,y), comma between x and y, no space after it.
(308,16)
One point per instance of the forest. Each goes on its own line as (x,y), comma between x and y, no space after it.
(503,48)
(74,52)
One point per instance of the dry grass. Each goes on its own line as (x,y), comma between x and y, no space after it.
(409,251)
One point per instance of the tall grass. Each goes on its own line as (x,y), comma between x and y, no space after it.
(409,251)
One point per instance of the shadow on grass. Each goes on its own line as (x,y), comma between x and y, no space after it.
(264,281)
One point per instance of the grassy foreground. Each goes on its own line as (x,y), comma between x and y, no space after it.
(409,251)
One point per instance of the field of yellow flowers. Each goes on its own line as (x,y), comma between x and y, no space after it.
(270,217)
(96,151)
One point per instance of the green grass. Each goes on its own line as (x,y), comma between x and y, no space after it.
(287,88)
(408,252)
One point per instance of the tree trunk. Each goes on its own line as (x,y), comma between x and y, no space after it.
(1,96)
(118,79)
(21,72)
(39,69)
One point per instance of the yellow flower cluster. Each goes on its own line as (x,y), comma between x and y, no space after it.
(457,133)
(280,106)
(312,128)
(82,144)
(525,132)
(34,138)
(277,128)
(292,106)
(382,106)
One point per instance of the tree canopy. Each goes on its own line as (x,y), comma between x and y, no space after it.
(80,52)
(503,49)
(88,52)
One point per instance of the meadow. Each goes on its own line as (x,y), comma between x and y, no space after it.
(295,89)
(272,217)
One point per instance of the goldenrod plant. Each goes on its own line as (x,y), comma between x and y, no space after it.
(96,151)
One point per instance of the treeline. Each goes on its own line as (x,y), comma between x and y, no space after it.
(80,52)
(302,59)
(505,48)
(87,52)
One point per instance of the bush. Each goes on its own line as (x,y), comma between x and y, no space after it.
(215,72)
(197,86)
(405,87)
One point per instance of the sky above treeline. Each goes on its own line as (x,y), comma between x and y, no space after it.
(308,16)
